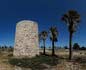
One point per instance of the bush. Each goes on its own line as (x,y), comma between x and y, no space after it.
(83,48)
(76,46)
(65,47)
(10,55)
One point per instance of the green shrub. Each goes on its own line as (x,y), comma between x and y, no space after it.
(34,62)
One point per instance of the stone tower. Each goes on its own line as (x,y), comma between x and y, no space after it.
(26,39)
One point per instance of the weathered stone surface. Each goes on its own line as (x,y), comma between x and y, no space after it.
(26,40)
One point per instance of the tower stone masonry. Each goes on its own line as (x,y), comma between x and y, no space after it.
(26,39)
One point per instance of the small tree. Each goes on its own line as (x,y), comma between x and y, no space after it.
(72,18)
(76,46)
(41,47)
(10,49)
(65,47)
(2,48)
(53,38)
(82,48)
(43,36)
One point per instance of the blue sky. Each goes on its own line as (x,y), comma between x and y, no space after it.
(46,13)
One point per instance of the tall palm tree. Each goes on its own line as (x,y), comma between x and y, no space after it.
(43,36)
(72,18)
(53,37)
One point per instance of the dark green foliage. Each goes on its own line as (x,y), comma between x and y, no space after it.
(5,47)
(42,36)
(42,47)
(10,49)
(53,38)
(81,60)
(83,48)
(76,46)
(65,47)
(53,34)
(72,18)
(35,63)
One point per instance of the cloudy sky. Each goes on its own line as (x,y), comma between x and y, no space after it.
(46,13)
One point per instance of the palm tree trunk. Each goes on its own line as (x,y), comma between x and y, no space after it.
(70,46)
(44,47)
(53,51)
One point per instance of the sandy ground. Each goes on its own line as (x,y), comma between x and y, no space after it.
(4,65)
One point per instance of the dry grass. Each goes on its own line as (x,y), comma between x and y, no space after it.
(4,65)
(43,62)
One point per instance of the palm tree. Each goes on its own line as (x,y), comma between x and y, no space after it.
(53,37)
(43,35)
(72,18)
(39,38)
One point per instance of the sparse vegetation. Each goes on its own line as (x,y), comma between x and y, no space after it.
(53,57)
(42,36)
(76,46)
(53,38)
(42,62)
(72,18)
(35,61)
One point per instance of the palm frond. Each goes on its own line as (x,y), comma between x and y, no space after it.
(53,33)
(44,35)
(72,18)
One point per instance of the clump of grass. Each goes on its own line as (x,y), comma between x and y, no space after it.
(80,52)
(80,59)
(10,55)
(83,61)
(85,53)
